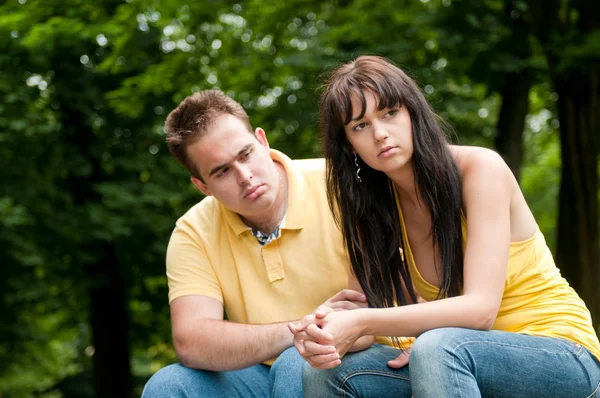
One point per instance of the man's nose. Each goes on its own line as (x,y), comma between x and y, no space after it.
(244,175)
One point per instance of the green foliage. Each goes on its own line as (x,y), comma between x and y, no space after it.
(84,91)
(541,173)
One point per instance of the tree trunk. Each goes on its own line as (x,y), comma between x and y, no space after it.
(511,120)
(577,241)
(514,92)
(109,316)
(109,321)
(577,83)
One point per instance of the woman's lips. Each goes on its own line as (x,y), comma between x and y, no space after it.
(387,151)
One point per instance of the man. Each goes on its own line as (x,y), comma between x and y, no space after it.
(262,247)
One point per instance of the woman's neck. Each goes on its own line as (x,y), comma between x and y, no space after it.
(404,182)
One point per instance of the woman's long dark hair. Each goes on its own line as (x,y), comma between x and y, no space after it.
(366,211)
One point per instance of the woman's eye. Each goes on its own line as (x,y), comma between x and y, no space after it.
(391,113)
(359,127)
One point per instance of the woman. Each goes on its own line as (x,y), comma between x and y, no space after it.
(498,320)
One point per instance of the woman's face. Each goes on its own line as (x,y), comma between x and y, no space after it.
(382,138)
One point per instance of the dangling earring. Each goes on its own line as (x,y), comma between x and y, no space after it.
(357,167)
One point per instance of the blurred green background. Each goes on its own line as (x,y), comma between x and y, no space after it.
(89,193)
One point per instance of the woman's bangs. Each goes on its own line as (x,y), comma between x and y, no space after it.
(341,101)
(386,88)
(388,93)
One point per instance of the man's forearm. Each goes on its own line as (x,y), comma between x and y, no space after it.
(217,345)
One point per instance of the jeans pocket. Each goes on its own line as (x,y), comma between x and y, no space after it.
(596,392)
(592,365)
(573,347)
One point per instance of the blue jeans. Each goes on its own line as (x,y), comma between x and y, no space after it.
(453,362)
(283,379)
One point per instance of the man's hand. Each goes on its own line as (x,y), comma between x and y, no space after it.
(347,299)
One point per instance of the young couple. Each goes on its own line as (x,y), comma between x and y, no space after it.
(442,246)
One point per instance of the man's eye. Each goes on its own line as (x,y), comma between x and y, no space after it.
(222,172)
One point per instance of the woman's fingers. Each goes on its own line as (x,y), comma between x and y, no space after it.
(400,361)
(315,333)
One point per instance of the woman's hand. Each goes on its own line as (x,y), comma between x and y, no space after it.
(324,337)
(401,360)
(312,343)
(344,328)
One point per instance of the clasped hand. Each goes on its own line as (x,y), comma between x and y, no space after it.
(325,336)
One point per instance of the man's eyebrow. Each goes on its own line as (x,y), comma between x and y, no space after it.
(216,169)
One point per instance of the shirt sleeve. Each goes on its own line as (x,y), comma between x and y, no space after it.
(189,270)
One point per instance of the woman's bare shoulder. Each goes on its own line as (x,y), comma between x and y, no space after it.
(477,159)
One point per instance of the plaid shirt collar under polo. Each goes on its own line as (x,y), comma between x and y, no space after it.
(264,239)
(294,218)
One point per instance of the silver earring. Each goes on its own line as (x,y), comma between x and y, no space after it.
(357,168)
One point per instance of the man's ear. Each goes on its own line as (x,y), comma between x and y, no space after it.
(261,136)
(201,186)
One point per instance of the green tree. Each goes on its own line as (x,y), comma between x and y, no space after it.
(569,33)
(89,198)
(89,192)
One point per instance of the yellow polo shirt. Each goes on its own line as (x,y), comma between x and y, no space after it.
(213,253)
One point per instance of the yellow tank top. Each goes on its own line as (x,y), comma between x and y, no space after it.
(537,300)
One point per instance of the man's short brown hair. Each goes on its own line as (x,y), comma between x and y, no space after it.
(191,119)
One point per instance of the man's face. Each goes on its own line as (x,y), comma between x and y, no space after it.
(236,167)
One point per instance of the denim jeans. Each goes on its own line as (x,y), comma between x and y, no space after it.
(453,362)
(283,379)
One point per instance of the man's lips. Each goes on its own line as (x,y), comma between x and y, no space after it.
(387,150)
(251,192)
